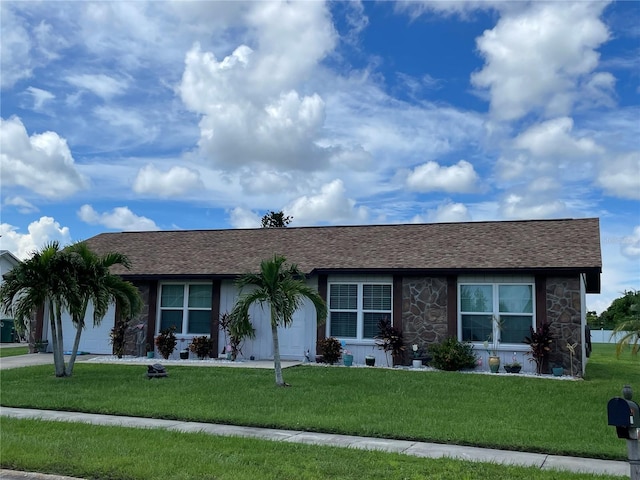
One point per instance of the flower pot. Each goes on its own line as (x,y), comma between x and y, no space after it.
(557,371)
(151,354)
(347,359)
(184,354)
(417,363)
(494,364)
(370,360)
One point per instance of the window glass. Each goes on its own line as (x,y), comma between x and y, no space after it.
(376,297)
(344,296)
(476,328)
(515,328)
(344,324)
(199,296)
(476,298)
(170,318)
(172,296)
(371,320)
(515,298)
(199,321)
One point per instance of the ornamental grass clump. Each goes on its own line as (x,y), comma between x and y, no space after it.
(453,355)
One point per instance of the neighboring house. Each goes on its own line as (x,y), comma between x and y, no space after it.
(7,261)
(431,280)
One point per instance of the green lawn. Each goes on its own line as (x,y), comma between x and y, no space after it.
(13,351)
(508,412)
(118,453)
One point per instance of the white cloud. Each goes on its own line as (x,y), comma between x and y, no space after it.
(101,85)
(41,162)
(553,138)
(620,175)
(527,206)
(329,205)
(42,231)
(252,112)
(631,244)
(21,204)
(120,218)
(264,181)
(242,218)
(40,97)
(549,148)
(446,211)
(537,59)
(15,48)
(432,177)
(172,183)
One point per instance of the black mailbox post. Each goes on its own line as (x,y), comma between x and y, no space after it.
(624,414)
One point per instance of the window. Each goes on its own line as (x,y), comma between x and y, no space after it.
(511,303)
(187,307)
(356,308)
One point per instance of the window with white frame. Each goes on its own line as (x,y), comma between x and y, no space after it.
(356,308)
(511,304)
(186,306)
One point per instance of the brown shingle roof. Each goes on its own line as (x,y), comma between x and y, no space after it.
(572,245)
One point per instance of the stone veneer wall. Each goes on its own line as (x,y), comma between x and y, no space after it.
(564,308)
(424,311)
(134,335)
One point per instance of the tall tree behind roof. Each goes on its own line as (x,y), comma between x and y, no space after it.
(275,220)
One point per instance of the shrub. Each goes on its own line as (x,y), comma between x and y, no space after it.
(118,334)
(453,355)
(201,346)
(166,342)
(540,341)
(389,339)
(330,349)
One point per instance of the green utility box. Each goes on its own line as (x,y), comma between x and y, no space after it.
(6,331)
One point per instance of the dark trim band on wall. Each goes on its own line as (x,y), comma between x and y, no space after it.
(153,310)
(215,317)
(397,302)
(541,299)
(452,305)
(321,332)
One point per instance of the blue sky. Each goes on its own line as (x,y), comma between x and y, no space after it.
(196,115)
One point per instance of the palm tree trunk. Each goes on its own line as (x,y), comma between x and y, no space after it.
(76,343)
(58,357)
(79,324)
(276,356)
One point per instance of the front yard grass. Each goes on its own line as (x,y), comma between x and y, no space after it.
(119,453)
(498,411)
(13,351)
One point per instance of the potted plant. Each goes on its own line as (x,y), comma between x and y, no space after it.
(184,354)
(557,370)
(201,346)
(491,345)
(347,356)
(513,367)
(150,351)
(417,352)
(40,346)
(166,342)
(234,334)
(390,340)
(330,349)
(539,341)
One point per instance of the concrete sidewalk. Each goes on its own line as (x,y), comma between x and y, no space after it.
(417,449)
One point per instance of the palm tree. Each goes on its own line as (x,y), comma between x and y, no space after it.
(98,286)
(631,329)
(45,279)
(283,288)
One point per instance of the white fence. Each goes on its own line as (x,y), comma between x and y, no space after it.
(605,336)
